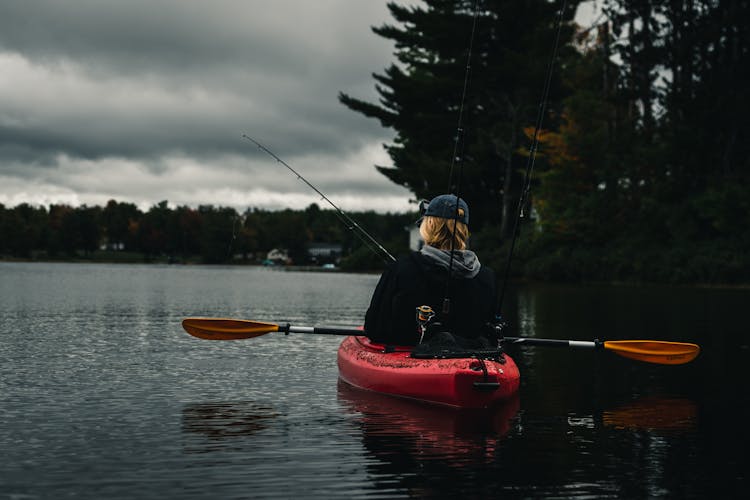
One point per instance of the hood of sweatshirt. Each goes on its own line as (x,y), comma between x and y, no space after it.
(465,262)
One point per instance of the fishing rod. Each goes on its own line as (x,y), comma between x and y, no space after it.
(458,149)
(350,223)
(459,143)
(526,190)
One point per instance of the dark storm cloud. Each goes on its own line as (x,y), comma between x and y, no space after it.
(171,35)
(177,37)
(190,76)
(148,100)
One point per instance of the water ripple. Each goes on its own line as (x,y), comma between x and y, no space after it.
(102,395)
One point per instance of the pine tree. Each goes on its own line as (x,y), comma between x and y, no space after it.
(420,97)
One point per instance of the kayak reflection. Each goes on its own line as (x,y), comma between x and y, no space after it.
(219,426)
(653,413)
(395,427)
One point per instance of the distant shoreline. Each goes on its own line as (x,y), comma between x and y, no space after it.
(321,269)
(165,261)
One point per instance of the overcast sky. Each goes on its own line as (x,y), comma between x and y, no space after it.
(147,100)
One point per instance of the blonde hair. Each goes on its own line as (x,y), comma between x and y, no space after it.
(438,232)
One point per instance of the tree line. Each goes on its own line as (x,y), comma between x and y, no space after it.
(207,234)
(642,171)
(643,166)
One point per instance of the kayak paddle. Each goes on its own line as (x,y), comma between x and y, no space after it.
(237,329)
(650,351)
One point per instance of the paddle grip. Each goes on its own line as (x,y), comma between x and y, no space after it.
(320,330)
(337,331)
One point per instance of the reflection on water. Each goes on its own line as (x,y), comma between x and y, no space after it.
(654,413)
(427,451)
(427,431)
(103,395)
(222,426)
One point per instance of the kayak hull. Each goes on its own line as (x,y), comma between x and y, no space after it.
(460,382)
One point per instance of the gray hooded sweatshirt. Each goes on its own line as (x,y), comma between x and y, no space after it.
(465,262)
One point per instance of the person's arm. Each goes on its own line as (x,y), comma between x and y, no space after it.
(379,315)
(493,302)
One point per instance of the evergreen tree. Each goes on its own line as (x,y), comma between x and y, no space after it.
(648,177)
(116,221)
(220,227)
(152,230)
(420,97)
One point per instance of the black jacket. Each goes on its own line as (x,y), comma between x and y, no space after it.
(415,280)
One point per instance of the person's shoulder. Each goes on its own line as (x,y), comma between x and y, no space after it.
(487,270)
(408,258)
(401,262)
(409,263)
(486,273)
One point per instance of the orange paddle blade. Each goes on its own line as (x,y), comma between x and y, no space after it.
(655,351)
(226,329)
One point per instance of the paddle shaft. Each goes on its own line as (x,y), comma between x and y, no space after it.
(586,344)
(320,330)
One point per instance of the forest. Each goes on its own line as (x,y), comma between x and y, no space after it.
(121,232)
(642,171)
(641,174)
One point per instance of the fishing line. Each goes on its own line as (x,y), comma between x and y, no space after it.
(350,223)
(458,151)
(459,143)
(234,236)
(523,199)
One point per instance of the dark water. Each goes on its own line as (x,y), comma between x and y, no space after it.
(102,395)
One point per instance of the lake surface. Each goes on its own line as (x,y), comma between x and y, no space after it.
(102,395)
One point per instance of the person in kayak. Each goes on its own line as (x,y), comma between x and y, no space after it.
(421,278)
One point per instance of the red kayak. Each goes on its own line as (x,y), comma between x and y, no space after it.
(458,382)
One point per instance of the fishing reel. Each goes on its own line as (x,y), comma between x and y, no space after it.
(495,330)
(425,314)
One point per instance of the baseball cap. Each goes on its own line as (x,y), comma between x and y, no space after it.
(444,207)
